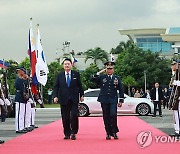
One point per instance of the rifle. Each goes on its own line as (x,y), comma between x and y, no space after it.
(28,95)
(38,98)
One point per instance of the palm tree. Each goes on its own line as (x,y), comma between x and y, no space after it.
(123,46)
(129,81)
(96,54)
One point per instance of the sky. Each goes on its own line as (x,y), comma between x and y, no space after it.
(85,23)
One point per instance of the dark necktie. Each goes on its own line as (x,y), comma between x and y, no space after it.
(68,79)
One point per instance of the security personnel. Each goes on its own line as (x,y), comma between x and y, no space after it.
(174,103)
(20,101)
(108,97)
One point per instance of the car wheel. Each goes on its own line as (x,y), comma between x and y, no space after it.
(143,109)
(83,110)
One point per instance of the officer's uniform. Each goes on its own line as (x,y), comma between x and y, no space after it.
(108,97)
(28,105)
(20,102)
(1,112)
(174,101)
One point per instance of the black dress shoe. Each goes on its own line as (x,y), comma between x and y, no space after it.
(160,115)
(21,131)
(1,141)
(153,116)
(28,129)
(115,136)
(175,135)
(108,137)
(34,126)
(66,137)
(73,137)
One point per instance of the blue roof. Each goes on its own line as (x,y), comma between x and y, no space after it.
(174,30)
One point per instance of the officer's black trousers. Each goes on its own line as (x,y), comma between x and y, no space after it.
(70,119)
(110,117)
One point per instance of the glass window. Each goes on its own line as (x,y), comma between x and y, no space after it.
(154,44)
(152,39)
(92,93)
(141,40)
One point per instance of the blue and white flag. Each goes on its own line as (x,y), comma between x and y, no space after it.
(41,65)
(73,59)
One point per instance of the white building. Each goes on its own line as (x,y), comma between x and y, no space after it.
(163,40)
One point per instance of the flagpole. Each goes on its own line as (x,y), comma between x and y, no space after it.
(36,40)
(42,92)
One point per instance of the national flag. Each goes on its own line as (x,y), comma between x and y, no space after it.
(4,64)
(41,65)
(112,58)
(32,54)
(73,59)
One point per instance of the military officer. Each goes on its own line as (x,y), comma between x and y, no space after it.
(175,97)
(108,97)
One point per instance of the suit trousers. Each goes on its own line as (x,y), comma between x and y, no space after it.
(159,107)
(70,120)
(110,117)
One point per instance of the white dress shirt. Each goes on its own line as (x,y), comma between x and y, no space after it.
(157,95)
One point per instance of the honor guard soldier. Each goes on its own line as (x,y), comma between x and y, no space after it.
(2,109)
(37,99)
(109,84)
(21,98)
(175,96)
(29,103)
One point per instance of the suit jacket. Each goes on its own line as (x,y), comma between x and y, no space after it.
(153,94)
(65,93)
(108,88)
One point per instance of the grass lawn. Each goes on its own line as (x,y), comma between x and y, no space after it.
(49,106)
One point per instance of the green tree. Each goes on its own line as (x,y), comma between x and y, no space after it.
(135,61)
(26,64)
(87,74)
(54,69)
(129,81)
(123,46)
(96,54)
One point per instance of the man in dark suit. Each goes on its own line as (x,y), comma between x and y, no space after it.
(157,98)
(108,97)
(68,87)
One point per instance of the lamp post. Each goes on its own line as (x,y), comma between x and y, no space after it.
(145,84)
(66,44)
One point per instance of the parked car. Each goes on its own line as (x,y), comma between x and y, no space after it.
(131,105)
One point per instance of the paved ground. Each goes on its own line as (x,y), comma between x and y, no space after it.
(164,123)
(45,116)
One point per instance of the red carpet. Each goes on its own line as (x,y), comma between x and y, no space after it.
(90,139)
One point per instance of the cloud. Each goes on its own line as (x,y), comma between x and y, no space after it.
(86,24)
